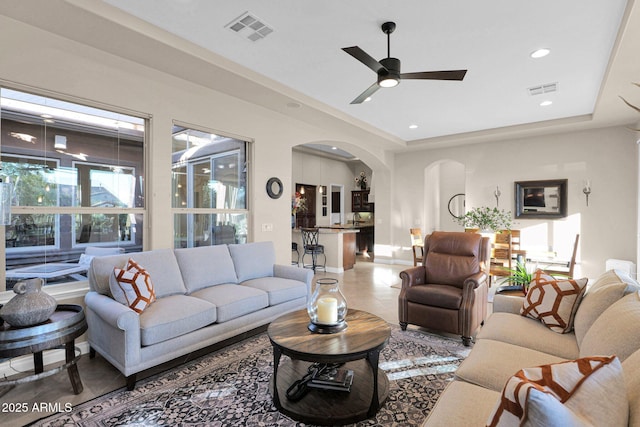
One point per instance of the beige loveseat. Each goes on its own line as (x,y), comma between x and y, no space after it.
(607,322)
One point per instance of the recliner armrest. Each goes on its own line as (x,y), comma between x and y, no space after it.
(413,276)
(475,280)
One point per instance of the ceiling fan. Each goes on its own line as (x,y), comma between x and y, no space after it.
(388,69)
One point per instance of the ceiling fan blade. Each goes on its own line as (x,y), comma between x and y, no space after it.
(364,57)
(435,75)
(367,93)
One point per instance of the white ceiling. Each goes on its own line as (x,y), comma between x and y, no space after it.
(300,69)
(492,39)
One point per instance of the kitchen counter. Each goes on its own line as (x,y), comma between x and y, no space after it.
(339,246)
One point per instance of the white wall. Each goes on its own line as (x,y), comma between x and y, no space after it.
(608,157)
(33,59)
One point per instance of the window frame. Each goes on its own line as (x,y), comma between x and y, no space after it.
(141,212)
(191,212)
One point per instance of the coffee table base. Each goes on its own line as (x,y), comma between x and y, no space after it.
(325,407)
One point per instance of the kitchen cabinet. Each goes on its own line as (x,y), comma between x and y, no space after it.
(360,201)
(349,250)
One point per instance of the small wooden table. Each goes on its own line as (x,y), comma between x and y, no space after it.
(358,346)
(65,325)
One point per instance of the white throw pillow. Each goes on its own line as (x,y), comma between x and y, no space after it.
(585,392)
(132,286)
(553,301)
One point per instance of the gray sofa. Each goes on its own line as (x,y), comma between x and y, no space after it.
(204,295)
(607,322)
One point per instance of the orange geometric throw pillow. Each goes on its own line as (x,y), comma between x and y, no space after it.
(553,301)
(132,286)
(573,392)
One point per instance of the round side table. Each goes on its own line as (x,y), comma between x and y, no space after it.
(65,325)
(358,346)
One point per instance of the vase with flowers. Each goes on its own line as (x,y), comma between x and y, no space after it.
(361,181)
(298,204)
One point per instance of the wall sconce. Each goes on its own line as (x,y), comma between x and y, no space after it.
(587,190)
(497,195)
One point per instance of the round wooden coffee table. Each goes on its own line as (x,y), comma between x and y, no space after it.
(65,325)
(358,347)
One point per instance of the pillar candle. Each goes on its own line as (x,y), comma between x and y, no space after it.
(327,310)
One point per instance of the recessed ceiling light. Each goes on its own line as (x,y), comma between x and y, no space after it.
(546,103)
(413,126)
(367,99)
(334,148)
(540,53)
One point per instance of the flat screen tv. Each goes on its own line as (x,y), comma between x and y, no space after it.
(534,197)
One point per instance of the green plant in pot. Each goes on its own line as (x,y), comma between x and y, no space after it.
(485,218)
(519,276)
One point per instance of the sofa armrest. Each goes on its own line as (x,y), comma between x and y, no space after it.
(304,275)
(507,303)
(112,312)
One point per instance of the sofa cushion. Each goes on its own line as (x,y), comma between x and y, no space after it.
(594,303)
(132,286)
(553,301)
(173,316)
(233,301)
(279,290)
(610,277)
(491,363)
(444,296)
(587,391)
(205,266)
(253,260)
(607,289)
(160,263)
(631,368)
(462,404)
(615,331)
(526,332)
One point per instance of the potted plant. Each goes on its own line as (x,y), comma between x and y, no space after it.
(486,219)
(519,278)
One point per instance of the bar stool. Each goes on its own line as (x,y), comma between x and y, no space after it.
(311,247)
(294,248)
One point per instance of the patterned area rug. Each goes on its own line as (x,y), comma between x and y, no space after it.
(231,388)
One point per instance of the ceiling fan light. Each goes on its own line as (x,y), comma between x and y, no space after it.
(388,82)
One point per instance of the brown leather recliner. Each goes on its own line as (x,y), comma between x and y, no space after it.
(448,292)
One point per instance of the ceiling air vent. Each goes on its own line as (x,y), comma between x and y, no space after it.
(539,90)
(250,27)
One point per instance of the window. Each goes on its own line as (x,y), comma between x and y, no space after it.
(77,175)
(209,178)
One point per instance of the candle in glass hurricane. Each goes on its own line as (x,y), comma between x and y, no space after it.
(327,308)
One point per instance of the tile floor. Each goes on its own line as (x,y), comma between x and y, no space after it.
(367,287)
